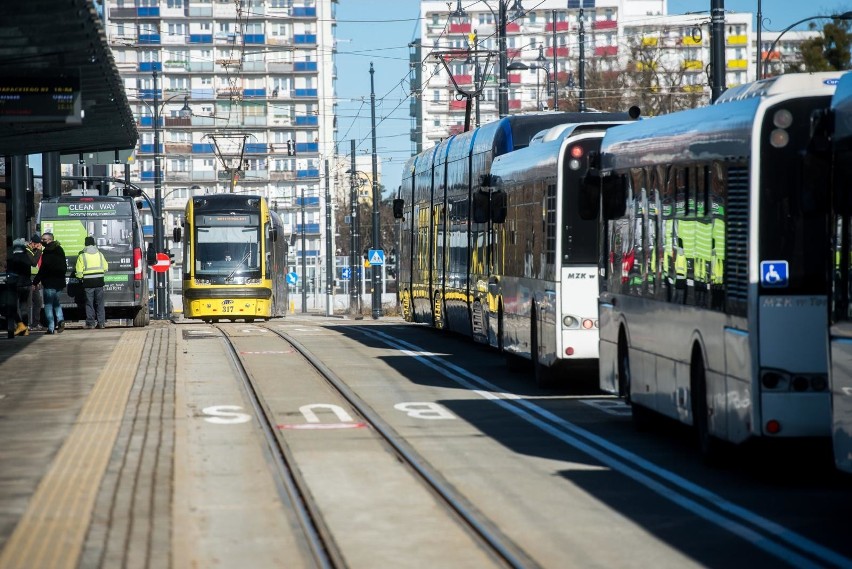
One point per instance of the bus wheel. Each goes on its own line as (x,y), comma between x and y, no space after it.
(543,375)
(642,417)
(708,445)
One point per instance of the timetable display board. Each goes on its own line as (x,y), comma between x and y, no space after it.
(40,99)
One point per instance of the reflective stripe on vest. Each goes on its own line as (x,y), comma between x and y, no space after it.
(97,267)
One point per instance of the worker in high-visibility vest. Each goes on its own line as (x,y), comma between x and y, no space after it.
(91,267)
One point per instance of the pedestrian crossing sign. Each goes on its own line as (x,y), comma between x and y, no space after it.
(376,257)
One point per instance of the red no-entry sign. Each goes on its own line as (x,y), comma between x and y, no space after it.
(163,263)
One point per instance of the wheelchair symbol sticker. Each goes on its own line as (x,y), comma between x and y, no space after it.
(774,274)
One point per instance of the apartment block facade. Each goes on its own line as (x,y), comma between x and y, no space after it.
(244,95)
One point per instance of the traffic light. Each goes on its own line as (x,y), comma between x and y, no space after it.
(291,148)
(171,256)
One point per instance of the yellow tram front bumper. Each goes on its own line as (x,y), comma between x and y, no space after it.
(224,303)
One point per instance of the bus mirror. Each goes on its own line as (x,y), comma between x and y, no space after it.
(398,207)
(498,206)
(272,234)
(176,235)
(588,198)
(480,207)
(614,192)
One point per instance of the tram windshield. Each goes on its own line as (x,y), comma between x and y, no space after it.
(227,251)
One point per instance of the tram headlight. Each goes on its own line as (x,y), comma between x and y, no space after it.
(779,138)
(782,118)
(574,164)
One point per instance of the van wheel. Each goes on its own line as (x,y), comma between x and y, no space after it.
(139,318)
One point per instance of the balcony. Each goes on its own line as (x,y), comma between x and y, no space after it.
(737,64)
(513,28)
(255,39)
(514,104)
(121,13)
(177,121)
(693,65)
(305,39)
(202,148)
(513,52)
(606,51)
(200,38)
(306,93)
(304,66)
(650,41)
(308,147)
(693,88)
(307,120)
(560,27)
(149,39)
(690,41)
(303,12)
(178,148)
(456,129)
(645,65)
(255,148)
(463,79)
(459,28)
(278,176)
(307,173)
(254,93)
(560,51)
(514,78)
(149,66)
(228,92)
(177,176)
(737,40)
(458,105)
(604,25)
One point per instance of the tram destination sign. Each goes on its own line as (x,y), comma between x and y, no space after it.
(40,99)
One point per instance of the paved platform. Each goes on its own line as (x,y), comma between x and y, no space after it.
(87,429)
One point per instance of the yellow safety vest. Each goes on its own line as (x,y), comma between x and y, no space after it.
(91,264)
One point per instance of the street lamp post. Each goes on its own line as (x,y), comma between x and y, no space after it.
(160,305)
(843,16)
(377,292)
(519,66)
(502,17)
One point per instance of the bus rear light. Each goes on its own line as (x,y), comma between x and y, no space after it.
(800,383)
(570,322)
(137,264)
(771,379)
(773,427)
(569,351)
(588,324)
(819,383)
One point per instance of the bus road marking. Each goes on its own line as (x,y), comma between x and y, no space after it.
(760,532)
(613,407)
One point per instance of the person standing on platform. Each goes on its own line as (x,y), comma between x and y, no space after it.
(19,265)
(51,276)
(36,300)
(91,266)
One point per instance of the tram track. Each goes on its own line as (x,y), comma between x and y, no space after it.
(296,489)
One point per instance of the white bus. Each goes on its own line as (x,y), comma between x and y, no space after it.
(713,308)
(547,278)
(840,331)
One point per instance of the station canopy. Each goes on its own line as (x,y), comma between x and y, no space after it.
(60,90)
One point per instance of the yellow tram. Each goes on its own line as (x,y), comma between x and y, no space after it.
(235,259)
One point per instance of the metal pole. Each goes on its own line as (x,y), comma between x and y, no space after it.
(717,48)
(502,86)
(353,232)
(377,236)
(555,69)
(476,85)
(582,70)
(304,259)
(159,238)
(329,248)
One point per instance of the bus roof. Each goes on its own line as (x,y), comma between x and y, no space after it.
(841,104)
(722,129)
(781,84)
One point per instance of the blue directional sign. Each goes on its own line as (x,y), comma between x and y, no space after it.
(292,277)
(376,257)
(345,273)
(774,274)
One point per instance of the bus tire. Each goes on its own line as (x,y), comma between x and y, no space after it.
(708,445)
(642,417)
(543,375)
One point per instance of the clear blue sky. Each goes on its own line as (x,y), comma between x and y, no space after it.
(380,30)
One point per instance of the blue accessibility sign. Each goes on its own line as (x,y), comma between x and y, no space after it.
(774,274)
(376,257)
(345,273)
(292,277)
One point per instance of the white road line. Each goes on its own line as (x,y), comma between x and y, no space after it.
(553,425)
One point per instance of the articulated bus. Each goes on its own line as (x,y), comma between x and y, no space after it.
(116,225)
(840,331)
(234,259)
(713,308)
(453,235)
